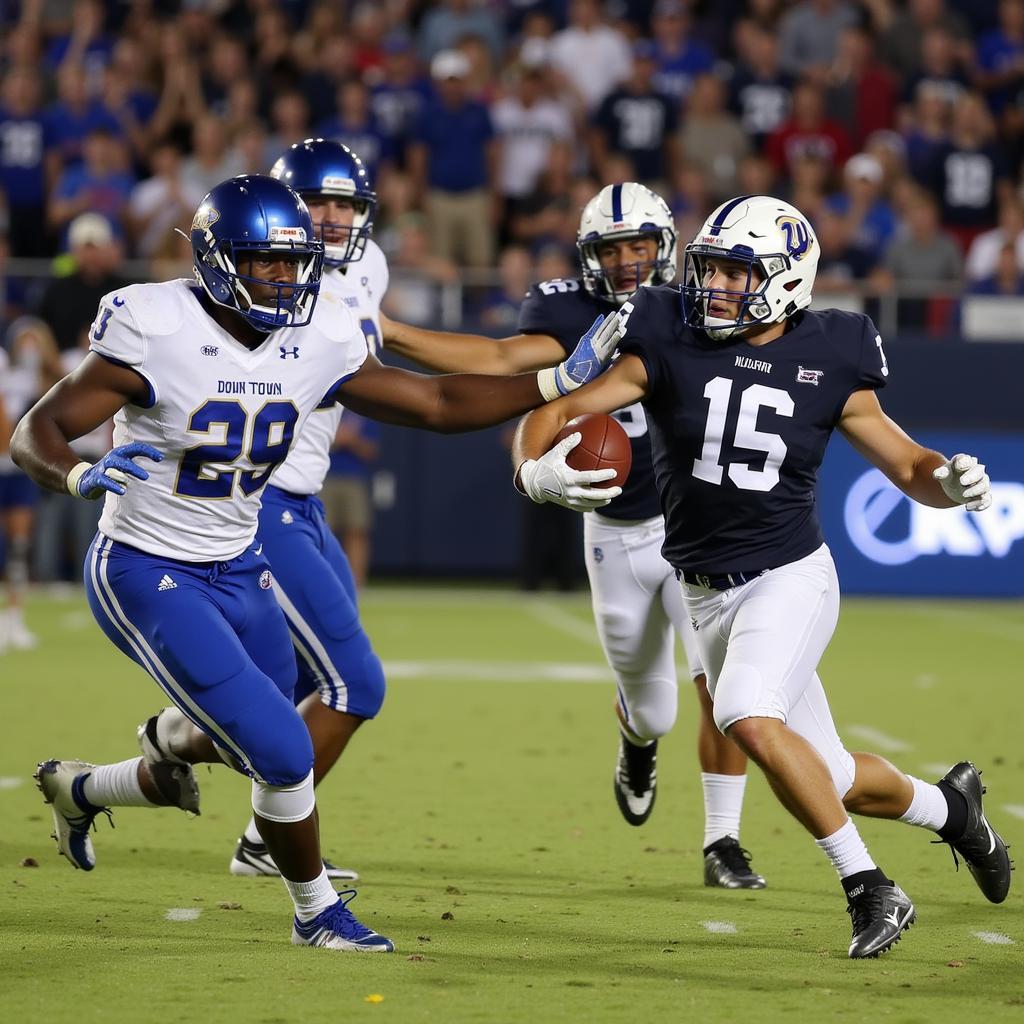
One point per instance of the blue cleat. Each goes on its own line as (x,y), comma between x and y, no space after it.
(60,782)
(337,928)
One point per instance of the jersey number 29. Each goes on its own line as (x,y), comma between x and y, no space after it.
(267,435)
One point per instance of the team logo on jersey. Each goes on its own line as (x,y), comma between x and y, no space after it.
(205,216)
(598,554)
(286,352)
(266,580)
(809,376)
(797,236)
(209,350)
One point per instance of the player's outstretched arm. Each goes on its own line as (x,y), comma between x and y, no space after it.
(543,474)
(448,404)
(87,397)
(925,475)
(470,353)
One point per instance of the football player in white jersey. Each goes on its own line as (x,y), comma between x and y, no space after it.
(626,239)
(211,382)
(743,386)
(341,680)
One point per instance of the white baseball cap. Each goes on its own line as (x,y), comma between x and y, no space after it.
(89,229)
(449,64)
(864,165)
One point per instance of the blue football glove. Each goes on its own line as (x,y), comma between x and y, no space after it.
(112,472)
(588,360)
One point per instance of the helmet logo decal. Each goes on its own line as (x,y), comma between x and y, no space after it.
(286,234)
(205,216)
(798,238)
(334,183)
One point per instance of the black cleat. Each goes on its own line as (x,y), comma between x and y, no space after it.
(981,847)
(636,780)
(880,915)
(253,859)
(727,866)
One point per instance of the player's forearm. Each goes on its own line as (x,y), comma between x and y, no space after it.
(469,401)
(536,432)
(41,450)
(920,485)
(449,353)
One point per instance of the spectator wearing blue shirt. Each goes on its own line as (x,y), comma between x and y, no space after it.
(1000,56)
(101,184)
(398,99)
(1007,279)
(356,127)
(452,162)
(75,115)
(680,58)
(760,90)
(868,220)
(27,162)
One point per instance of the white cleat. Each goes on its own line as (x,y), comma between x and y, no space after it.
(60,782)
(172,776)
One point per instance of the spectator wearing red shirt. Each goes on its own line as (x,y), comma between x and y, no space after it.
(862,91)
(808,132)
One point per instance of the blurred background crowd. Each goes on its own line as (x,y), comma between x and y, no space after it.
(897,126)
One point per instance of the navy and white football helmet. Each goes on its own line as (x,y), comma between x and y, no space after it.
(321,167)
(618,213)
(255,214)
(780,250)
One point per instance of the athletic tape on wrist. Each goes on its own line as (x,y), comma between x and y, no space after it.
(76,474)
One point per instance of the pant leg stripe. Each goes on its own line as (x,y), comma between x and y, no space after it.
(147,656)
(312,649)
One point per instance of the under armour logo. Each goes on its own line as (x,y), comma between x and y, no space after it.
(286,352)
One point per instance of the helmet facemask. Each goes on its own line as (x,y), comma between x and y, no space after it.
(601,280)
(345,243)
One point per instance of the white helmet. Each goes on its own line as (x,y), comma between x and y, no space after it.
(619,212)
(772,238)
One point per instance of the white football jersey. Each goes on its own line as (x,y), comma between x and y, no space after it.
(359,287)
(223,415)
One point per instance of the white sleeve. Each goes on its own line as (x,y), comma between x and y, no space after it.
(346,333)
(115,335)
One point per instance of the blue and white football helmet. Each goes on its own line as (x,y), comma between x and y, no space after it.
(255,214)
(780,250)
(321,167)
(618,213)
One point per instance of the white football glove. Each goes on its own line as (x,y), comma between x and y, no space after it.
(587,361)
(965,481)
(550,478)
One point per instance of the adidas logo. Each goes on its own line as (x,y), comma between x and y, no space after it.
(166,583)
(287,518)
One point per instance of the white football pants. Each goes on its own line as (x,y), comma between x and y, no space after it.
(761,643)
(638,608)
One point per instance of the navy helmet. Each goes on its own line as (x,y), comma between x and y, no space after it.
(249,214)
(318,168)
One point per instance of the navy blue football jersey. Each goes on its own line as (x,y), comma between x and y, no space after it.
(565,310)
(738,431)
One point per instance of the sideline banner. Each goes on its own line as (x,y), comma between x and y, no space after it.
(884,543)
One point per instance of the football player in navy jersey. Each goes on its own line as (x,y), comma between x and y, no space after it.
(626,239)
(743,387)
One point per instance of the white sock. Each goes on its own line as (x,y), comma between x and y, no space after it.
(252,833)
(312,897)
(116,785)
(928,808)
(173,732)
(846,850)
(723,804)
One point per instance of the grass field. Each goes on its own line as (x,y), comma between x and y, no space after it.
(479,812)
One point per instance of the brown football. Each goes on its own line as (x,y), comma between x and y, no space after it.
(604,445)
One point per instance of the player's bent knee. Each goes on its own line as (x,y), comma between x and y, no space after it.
(741,694)
(277,747)
(284,803)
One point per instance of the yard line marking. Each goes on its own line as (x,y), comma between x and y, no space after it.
(76,620)
(879,739)
(10,781)
(1017,810)
(500,671)
(926,680)
(183,914)
(550,614)
(936,768)
(720,927)
(994,938)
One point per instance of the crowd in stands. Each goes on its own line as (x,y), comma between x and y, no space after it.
(897,127)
